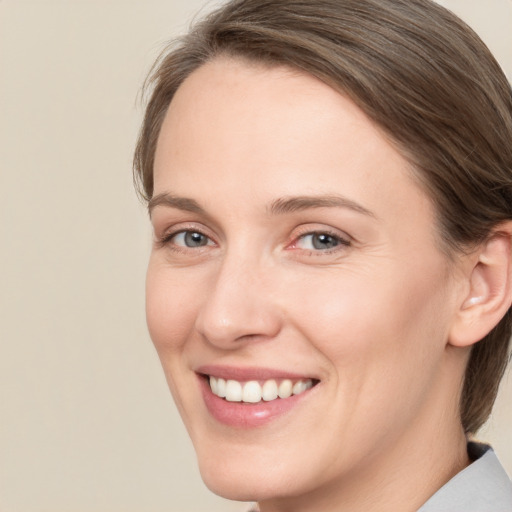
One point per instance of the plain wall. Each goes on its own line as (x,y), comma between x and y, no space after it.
(86,421)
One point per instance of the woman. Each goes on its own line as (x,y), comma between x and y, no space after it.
(329,291)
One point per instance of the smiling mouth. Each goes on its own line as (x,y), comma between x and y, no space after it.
(254,392)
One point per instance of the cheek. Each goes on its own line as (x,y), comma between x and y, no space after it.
(170,316)
(170,308)
(384,342)
(370,325)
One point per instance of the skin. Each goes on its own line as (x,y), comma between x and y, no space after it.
(370,318)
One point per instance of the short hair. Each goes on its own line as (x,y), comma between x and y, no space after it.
(418,72)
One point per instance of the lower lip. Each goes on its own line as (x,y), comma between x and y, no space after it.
(244,415)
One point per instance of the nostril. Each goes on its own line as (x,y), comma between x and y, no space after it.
(236,308)
(244,325)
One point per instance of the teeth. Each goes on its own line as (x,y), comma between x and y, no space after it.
(253,392)
(233,391)
(221,388)
(285,389)
(214,386)
(269,390)
(299,387)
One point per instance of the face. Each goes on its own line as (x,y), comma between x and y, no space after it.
(294,253)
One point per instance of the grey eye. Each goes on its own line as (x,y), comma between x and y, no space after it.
(323,241)
(191,239)
(318,241)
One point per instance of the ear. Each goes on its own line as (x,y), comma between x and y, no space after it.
(490,289)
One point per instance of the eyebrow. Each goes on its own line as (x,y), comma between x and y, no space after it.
(299,203)
(277,207)
(171,201)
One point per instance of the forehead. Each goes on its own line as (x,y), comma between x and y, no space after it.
(269,132)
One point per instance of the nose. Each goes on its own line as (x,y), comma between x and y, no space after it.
(238,305)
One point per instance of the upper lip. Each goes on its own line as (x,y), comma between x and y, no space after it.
(248,373)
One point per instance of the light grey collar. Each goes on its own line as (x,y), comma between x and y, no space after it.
(482,487)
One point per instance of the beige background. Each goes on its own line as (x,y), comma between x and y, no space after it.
(86,421)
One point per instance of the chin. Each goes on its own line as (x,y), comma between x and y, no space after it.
(259,471)
(246,476)
(251,485)
(236,489)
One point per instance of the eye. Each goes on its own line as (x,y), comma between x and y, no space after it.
(319,241)
(189,239)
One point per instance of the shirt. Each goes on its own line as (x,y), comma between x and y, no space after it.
(483,486)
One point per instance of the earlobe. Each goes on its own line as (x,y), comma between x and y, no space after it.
(490,289)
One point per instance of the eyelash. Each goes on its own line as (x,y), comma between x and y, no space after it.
(341,242)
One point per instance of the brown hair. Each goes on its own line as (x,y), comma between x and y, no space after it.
(419,73)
